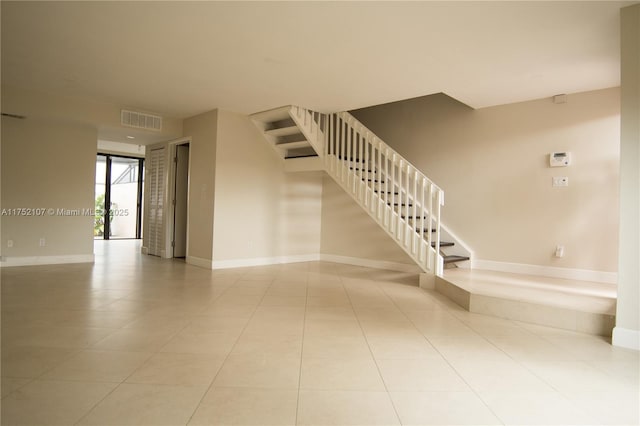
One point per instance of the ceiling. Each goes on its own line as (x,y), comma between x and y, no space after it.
(179,58)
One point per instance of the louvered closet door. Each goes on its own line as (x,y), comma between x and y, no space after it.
(155,209)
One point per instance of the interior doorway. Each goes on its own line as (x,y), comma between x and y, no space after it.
(118,197)
(180,200)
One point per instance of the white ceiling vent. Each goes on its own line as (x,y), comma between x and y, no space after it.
(140,120)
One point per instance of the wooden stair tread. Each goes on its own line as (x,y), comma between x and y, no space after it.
(294,145)
(454,258)
(300,156)
(283,131)
(444,244)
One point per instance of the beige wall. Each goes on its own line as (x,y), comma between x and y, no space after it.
(47,164)
(48,159)
(493,166)
(105,117)
(347,230)
(627,331)
(203,132)
(260,211)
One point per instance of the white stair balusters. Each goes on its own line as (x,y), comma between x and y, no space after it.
(400,198)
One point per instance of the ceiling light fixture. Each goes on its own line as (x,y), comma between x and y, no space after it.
(131,137)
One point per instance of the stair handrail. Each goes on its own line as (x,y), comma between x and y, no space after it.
(350,118)
(349,146)
(313,122)
(395,193)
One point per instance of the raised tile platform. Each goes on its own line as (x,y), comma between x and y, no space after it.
(582,306)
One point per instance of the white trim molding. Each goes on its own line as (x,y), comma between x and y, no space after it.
(547,271)
(626,338)
(262,261)
(369,263)
(198,261)
(46,260)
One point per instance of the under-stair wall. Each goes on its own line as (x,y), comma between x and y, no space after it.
(263,215)
(350,236)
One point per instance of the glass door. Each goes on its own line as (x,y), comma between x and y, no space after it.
(121,199)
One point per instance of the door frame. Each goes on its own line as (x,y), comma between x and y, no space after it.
(171,192)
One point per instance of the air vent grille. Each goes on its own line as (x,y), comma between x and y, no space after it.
(140,120)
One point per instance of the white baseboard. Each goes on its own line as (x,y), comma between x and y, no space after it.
(547,271)
(46,260)
(626,338)
(198,261)
(369,263)
(262,261)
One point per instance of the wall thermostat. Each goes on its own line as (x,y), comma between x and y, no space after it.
(559,159)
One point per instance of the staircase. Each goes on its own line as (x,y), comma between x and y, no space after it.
(400,198)
(287,137)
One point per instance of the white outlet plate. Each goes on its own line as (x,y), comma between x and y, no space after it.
(560,181)
(9,243)
(43,242)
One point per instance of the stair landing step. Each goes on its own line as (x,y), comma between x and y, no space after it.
(579,306)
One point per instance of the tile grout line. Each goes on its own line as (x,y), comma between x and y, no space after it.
(231,349)
(174,286)
(447,361)
(74,351)
(395,410)
(304,323)
(152,354)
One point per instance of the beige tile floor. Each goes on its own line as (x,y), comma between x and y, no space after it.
(138,340)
